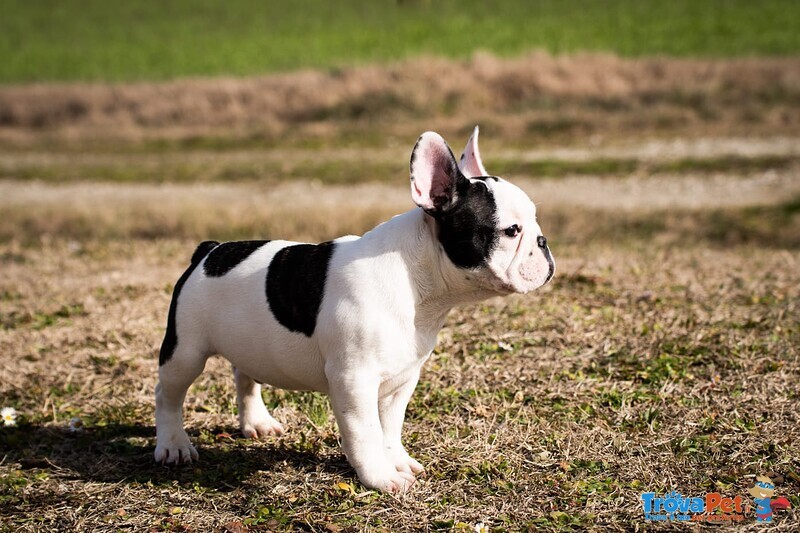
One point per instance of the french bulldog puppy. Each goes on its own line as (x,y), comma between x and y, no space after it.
(354,318)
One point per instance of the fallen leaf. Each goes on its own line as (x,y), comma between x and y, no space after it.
(234,526)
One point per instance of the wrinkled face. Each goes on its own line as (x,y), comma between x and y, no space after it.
(484,223)
(520,260)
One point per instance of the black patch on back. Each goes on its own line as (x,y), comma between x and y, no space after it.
(202,250)
(296,284)
(171,335)
(226,256)
(468,228)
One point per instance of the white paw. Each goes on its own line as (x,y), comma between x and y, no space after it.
(260,427)
(404,462)
(175,448)
(386,479)
(409,465)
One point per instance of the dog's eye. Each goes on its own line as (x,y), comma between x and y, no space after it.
(512,231)
(541,241)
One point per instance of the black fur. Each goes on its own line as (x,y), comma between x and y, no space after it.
(296,284)
(226,256)
(465,211)
(171,335)
(468,228)
(550,263)
(202,250)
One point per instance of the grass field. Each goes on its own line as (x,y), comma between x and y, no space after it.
(643,368)
(95,40)
(665,354)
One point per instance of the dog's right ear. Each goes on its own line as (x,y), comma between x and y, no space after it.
(434,173)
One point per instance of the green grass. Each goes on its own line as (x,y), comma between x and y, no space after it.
(95,40)
(346,172)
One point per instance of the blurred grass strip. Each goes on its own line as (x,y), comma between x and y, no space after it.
(344,171)
(773,226)
(72,40)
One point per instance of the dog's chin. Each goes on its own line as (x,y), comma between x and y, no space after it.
(519,284)
(511,283)
(525,288)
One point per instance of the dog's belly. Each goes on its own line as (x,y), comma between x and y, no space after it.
(249,336)
(276,358)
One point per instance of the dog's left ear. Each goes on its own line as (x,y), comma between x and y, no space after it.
(471,164)
(434,173)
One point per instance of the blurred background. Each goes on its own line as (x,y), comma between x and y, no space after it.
(660,141)
(686,105)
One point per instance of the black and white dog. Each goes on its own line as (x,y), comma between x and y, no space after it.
(355,318)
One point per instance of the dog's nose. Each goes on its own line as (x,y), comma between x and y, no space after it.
(541,241)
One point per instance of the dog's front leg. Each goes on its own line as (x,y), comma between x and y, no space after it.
(354,398)
(392,412)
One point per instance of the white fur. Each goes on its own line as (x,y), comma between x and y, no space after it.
(387,294)
(518,265)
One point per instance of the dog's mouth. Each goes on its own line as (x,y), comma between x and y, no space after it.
(531,272)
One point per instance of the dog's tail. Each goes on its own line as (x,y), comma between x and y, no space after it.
(202,250)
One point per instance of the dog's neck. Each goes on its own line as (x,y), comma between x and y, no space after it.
(437,283)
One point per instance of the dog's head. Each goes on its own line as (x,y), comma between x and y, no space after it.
(484,223)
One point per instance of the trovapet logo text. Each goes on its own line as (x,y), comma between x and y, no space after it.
(713,507)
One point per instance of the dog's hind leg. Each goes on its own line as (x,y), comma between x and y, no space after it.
(254,419)
(174,378)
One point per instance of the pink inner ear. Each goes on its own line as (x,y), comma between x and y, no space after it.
(471,164)
(433,171)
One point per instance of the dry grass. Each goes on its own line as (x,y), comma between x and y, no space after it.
(663,356)
(641,368)
(760,208)
(537,96)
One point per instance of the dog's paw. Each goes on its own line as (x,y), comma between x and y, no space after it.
(255,422)
(408,465)
(404,462)
(260,427)
(388,480)
(175,449)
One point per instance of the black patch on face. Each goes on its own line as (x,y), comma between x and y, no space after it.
(226,256)
(171,335)
(468,228)
(484,178)
(296,284)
